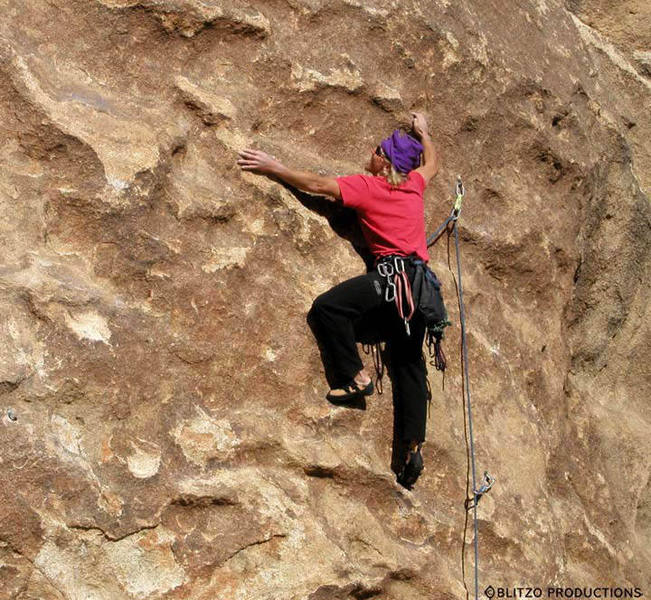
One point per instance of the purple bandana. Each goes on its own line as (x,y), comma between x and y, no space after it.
(402,150)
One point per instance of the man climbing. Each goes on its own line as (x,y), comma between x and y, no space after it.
(390,209)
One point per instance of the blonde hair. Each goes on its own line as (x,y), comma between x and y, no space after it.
(394,177)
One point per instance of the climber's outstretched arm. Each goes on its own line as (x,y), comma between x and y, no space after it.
(430,165)
(264,164)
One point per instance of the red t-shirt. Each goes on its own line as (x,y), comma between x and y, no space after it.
(392,219)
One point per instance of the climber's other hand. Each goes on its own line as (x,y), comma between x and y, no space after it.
(257,161)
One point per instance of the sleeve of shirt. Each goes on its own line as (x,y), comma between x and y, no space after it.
(355,191)
(419,181)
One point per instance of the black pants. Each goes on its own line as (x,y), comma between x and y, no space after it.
(351,311)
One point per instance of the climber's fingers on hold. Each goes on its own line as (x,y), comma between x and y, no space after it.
(248,153)
(259,154)
(248,165)
(249,159)
(256,160)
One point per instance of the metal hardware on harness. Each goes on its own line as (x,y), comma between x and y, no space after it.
(386,270)
(392,269)
(489,480)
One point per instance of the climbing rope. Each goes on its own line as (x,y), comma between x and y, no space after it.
(488,480)
(375,350)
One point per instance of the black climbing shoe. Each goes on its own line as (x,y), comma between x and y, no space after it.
(353,390)
(412,469)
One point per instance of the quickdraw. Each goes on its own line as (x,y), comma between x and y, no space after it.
(489,480)
(398,286)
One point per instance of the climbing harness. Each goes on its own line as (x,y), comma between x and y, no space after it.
(392,269)
(423,294)
(450,225)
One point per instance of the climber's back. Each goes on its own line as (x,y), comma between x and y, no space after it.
(391,217)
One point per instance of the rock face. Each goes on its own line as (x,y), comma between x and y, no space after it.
(164,432)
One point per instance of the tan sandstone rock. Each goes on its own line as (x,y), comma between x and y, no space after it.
(163,427)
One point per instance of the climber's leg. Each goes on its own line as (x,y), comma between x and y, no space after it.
(409,380)
(408,374)
(332,318)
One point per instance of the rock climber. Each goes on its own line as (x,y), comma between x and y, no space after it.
(390,209)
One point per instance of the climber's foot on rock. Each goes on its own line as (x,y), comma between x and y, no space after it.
(413,466)
(360,386)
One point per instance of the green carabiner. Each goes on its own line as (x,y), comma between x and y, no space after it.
(460,191)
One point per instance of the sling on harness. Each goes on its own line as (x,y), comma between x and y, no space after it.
(392,268)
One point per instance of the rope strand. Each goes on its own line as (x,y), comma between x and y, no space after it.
(375,350)
(465,380)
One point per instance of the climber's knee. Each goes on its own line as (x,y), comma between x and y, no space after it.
(316,311)
(319,305)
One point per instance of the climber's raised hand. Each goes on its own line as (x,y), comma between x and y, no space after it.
(257,161)
(419,124)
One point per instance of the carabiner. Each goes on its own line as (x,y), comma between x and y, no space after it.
(399,263)
(385,269)
(390,285)
(459,191)
(489,480)
(458,188)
